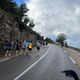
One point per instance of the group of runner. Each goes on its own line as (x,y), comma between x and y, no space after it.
(18,46)
(40,44)
(21,47)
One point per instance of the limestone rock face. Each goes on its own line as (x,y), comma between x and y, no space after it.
(9,27)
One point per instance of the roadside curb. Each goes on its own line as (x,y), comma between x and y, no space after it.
(7,58)
(4,59)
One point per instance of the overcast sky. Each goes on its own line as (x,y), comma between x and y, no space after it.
(57,16)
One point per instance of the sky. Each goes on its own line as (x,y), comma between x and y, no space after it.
(52,17)
(20,1)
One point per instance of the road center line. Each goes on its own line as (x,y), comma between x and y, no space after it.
(32,65)
(72,59)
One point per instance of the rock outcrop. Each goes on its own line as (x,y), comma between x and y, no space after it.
(9,27)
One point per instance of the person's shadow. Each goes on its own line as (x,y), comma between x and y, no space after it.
(71,73)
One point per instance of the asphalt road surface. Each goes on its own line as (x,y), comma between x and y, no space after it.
(48,64)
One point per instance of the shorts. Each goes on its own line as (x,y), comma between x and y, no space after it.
(30,49)
(9,49)
(38,48)
(17,48)
(23,49)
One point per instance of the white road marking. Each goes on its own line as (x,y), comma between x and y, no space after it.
(72,59)
(32,65)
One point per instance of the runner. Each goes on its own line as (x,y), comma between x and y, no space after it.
(30,46)
(8,48)
(38,46)
(24,46)
(46,43)
(18,46)
(2,48)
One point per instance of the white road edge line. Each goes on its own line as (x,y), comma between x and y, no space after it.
(72,59)
(32,65)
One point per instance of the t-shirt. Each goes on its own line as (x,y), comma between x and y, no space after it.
(38,45)
(30,45)
(25,44)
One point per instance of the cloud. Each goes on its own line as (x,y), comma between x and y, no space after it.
(52,17)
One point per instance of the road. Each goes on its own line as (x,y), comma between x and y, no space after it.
(48,64)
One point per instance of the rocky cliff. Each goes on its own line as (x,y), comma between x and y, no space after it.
(9,27)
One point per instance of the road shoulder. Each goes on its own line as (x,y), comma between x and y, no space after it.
(74,54)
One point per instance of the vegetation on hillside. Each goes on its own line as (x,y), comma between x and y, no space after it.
(49,40)
(18,11)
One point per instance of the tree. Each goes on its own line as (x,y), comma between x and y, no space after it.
(26,20)
(8,5)
(31,24)
(11,7)
(23,9)
(49,40)
(61,38)
(18,12)
(39,37)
